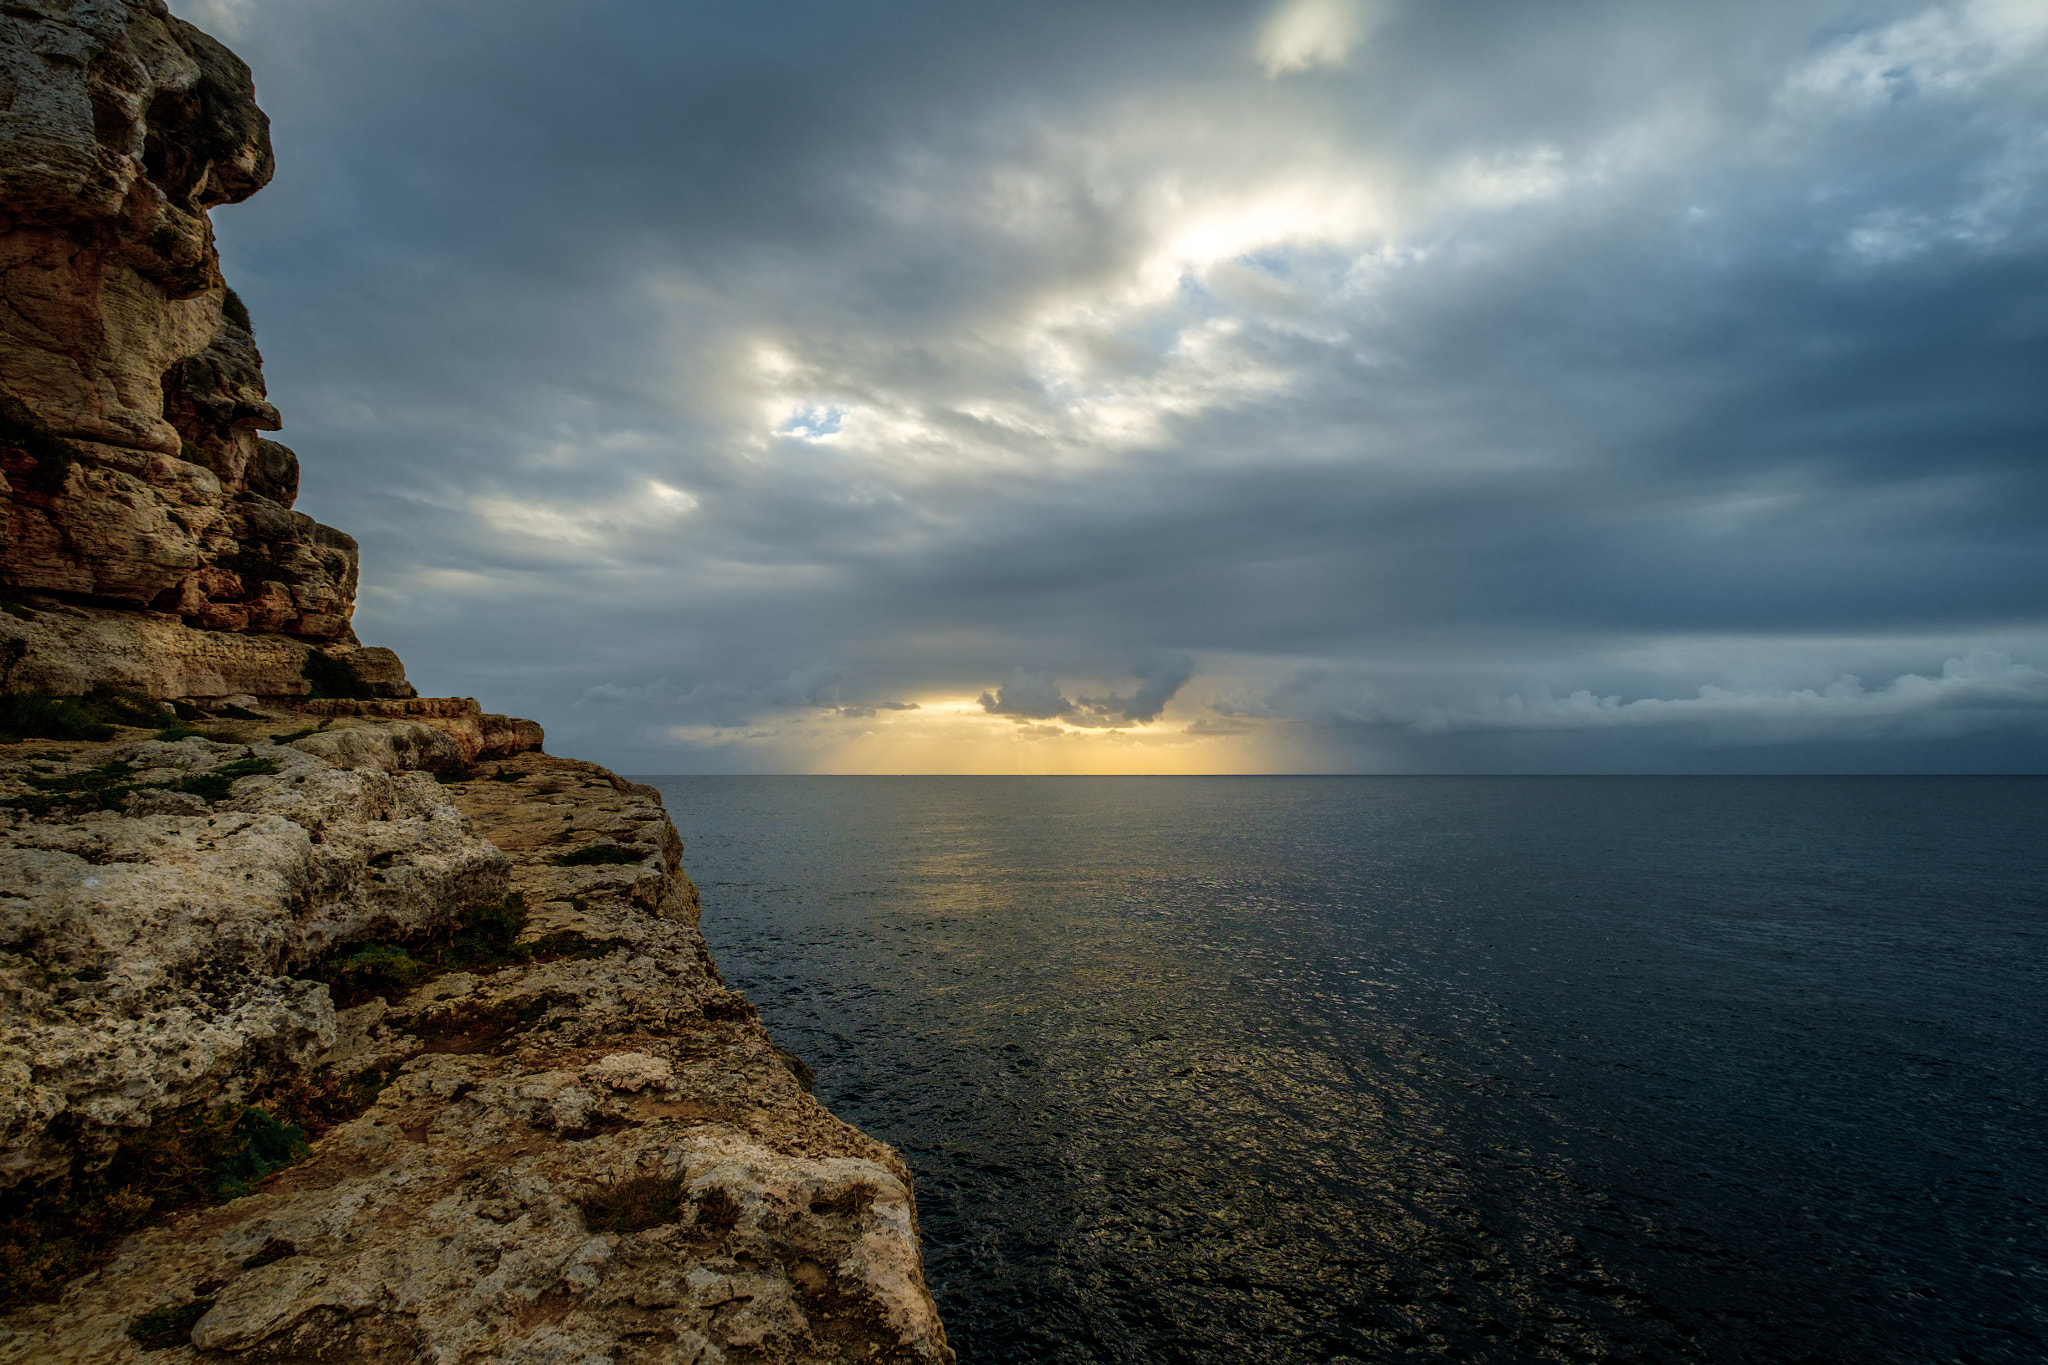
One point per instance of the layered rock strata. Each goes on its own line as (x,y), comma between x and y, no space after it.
(536,1125)
(52,644)
(131,390)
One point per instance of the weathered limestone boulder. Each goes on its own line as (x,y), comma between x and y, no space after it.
(388,746)
(55,645)
(475,734)
(131,390)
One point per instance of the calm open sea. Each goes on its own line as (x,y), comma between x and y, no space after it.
(1388,1069)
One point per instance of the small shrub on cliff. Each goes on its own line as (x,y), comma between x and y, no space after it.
(162,1328)
(718,1211)
(322,1100)
(36,715)
(264,1146)
(53,1233)
(851,1202)
(568,943)
(371,970)
(118,706)
(334,678)
(211,787)
(483,936)
(234,310)
(101,788)
(108,785)
(41,715)
(49,1236)
(488,933)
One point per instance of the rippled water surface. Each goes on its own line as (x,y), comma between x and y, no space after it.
(1500,1069)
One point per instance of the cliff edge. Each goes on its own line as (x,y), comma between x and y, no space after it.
(336,1023)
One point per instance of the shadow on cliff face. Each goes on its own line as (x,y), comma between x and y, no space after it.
(54,1232)
(94,716)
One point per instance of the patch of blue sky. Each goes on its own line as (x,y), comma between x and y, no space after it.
(814,423)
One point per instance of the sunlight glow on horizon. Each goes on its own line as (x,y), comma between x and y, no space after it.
(952,734)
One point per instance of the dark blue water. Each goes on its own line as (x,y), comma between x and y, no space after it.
(1389,1069)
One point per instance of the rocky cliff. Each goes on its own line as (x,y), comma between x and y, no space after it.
(131,390)
(336,1023)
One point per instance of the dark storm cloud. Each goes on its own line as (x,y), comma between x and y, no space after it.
(1159,678)
(1036,696)
(1475,392)
(1027,696)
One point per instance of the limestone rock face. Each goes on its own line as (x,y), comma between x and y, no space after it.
(55,645)
(594,1153)
(130,394)
(125,125)
(148,949)
(474,734)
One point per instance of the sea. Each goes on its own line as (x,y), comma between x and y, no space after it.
(1497,1069)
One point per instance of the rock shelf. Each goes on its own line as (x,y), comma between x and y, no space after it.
(593,1153)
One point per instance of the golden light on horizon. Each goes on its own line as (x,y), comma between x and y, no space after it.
(951,734)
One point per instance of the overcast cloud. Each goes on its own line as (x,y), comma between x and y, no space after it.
(1321,386)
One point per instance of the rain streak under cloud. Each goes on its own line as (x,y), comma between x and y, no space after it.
(1323,386)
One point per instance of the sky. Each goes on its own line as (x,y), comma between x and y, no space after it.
(1321,386)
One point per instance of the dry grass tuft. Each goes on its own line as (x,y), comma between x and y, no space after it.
(635,1204)
(718,1211)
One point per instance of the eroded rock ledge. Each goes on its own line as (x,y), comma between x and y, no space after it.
(592,1151)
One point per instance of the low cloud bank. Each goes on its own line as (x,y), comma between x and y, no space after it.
(733,705)
(1026,695)
(1978,692)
